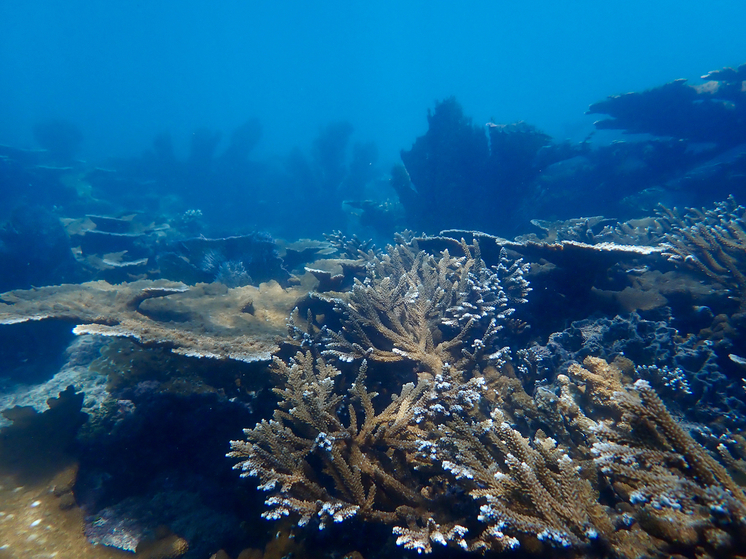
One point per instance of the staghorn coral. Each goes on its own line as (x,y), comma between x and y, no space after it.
(677,490)
(423,309)
(711,242)
(380,466)
(360,478)
(528,487)
(353,248)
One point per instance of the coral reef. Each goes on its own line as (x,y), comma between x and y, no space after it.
(408,396)
(128,499)
(39,514)
(307,423)
(712,111)
(530,490)
(115,248)
(410,300)
(592,462)
(76,372)
(679,492)
(456,175)
(575,391)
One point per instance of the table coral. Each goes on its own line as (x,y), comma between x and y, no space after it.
(206,320)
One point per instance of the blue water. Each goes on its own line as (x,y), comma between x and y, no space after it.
(125,72)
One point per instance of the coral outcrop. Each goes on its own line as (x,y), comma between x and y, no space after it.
(455,164)
(713,111)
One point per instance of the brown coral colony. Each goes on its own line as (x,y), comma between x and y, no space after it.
(619,473)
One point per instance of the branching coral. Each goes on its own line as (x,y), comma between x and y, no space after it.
(712,242)
(668,462)
(329,455)
(353,248)
(362,459)
(528,487)
(679,492)
(618,475)
(424,309)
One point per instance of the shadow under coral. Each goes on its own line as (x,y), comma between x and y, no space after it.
(162,464)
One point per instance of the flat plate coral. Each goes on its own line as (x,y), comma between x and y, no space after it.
(206,320)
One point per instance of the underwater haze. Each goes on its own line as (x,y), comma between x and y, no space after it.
(124,72)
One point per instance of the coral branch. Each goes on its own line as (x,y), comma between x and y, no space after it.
(423,309)
(360,480)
